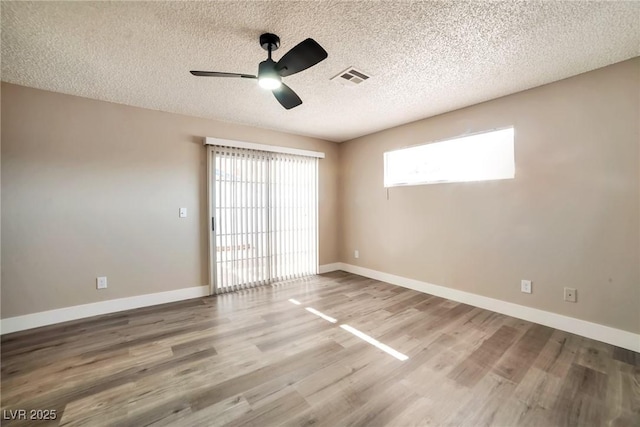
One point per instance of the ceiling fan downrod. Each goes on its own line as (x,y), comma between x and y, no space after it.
(269,42)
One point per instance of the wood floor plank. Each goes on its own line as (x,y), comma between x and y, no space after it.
(416,414)
(597,356)
(560,352)
(626,356)
(315,357)
(473,369)
(220,414)
(382,408)
(105,407)
(518,359)
(280,409)
(255,358)
(443,317)
(581,398)
(472,411)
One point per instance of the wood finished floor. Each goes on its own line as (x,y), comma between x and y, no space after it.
(254,358)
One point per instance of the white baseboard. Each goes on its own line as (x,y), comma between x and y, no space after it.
(44,318)
(328,268)
(584,328)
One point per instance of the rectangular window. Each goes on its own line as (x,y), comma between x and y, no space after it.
(480,157)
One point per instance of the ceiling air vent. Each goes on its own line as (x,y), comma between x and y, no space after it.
(351,77)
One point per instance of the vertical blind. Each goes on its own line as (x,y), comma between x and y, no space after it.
(265,217)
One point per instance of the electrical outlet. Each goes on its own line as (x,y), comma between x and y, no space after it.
(356,254)
(101,282)
(525,286)
(570,294)
(183,212)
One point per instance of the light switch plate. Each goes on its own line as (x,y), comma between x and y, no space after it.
(183,212)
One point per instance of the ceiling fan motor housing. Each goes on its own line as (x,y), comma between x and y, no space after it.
(267,68)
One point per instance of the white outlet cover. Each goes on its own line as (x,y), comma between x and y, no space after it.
(570,294)
(525,286)
(101,282)
(356,254)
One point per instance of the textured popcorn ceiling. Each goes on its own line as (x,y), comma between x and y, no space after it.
(425,58)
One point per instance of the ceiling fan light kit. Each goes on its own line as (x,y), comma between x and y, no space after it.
(302,56)
(268,77)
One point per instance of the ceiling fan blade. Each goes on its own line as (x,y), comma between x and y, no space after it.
(219,74)
(302,56)
(287,97)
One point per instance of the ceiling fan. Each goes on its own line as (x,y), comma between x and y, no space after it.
(302,56)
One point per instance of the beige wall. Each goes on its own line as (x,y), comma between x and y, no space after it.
(92,188)
(569,218)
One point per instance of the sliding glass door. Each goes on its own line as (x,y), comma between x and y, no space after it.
(264,217)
